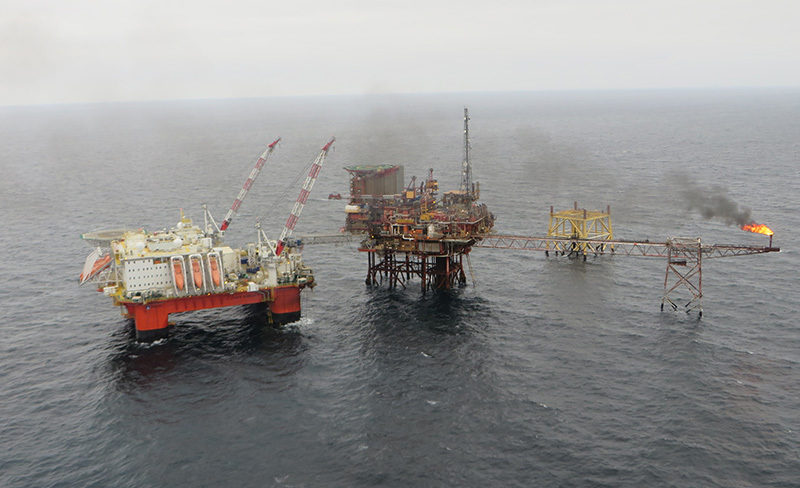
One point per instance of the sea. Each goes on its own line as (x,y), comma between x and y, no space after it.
(543,371)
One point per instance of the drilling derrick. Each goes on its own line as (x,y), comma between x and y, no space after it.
(469,189)
(466,166)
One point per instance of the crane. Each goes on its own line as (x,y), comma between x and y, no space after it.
(248,184)
(316,166)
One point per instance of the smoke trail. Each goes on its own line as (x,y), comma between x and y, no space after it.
(714,203)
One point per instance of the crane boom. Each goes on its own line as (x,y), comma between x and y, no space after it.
(410,186)
(301,200)
(247,184)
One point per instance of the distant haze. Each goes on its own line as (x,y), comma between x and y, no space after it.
(92,51)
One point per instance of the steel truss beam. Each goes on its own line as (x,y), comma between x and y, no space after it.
(598,246)
(684,257)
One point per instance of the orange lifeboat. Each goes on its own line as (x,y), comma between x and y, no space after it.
(100,264)
(177,269)
(197,272)
(213,263)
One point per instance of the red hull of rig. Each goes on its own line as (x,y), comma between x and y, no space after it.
(152,318)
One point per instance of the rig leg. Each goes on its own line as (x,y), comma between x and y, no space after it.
(152,322)
(285,306)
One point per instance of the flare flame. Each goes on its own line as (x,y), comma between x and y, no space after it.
(758,229)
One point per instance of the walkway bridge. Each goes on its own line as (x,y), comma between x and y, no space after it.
(684,257)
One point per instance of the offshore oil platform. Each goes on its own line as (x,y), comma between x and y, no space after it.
(411,231)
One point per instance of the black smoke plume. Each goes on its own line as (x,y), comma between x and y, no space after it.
(714,203)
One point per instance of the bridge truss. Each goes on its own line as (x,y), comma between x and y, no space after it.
(439,269)
(684,257)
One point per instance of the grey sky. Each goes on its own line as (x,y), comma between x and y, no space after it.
(54,51)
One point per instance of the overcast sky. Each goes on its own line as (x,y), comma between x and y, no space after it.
(54,51)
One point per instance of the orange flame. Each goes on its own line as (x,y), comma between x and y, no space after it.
(758,229)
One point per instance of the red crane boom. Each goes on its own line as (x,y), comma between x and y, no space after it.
(301,200)
(247,184)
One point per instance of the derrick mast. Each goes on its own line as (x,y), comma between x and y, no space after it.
(466,166)
(467,187)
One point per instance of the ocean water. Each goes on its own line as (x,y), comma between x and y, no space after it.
(543,371)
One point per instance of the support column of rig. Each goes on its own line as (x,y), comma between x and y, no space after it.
(447,271)
(434,271)
(389,267)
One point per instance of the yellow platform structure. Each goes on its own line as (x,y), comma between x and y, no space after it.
(584,225)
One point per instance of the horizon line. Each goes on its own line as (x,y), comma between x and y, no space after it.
(407,94)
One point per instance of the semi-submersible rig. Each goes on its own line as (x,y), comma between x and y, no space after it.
(151,275)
